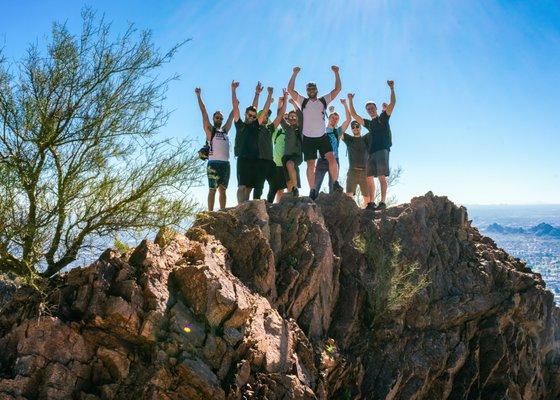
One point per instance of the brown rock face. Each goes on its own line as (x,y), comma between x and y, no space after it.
(297,300)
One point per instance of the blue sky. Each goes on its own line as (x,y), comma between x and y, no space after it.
(477,82)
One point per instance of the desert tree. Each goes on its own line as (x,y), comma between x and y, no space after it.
(80,155)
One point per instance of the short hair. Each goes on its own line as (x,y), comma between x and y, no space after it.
(371,102)
(311,84)
(250,108)
(354,123)
(333,113)
(292,111)
(216,112)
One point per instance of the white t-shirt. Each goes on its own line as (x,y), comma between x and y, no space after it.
(313,116)
(219,149)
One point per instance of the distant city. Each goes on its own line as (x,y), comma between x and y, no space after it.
(531,233)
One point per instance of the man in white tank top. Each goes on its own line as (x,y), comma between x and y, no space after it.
(218,168)
(314,134)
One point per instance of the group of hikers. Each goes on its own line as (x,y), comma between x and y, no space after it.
(272,151)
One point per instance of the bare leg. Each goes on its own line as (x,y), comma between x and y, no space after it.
(292,182)
(371,188)
(383,183)
(311,173)
(241,194)
(211,198)
(222,199)
(279,195)
(333,166)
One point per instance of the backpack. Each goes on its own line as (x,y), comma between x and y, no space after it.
(204,151)
(321,99)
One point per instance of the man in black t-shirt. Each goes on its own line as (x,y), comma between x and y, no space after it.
(246,146)
(380,144)
(357,146)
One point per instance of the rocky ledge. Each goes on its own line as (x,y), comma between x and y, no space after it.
(297,300)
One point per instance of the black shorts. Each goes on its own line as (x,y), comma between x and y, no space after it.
(279,178)
(378,163)
(218,173)
(264,171)
(247,172)
(311,145)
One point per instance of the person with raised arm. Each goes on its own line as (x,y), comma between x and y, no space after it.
(276,179)
(218,167)
(293,147)
(246,145)
(379,145)
(334,133)
(265,165)
(315,139)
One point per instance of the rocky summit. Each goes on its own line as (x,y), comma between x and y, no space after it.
(296,300)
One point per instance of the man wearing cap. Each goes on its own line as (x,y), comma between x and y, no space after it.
(314,136)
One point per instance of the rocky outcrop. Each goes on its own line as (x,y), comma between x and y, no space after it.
(297,300)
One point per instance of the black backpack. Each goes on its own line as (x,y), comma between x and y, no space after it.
(321,99)
(204,151)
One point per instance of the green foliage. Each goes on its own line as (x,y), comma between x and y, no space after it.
(79,153)
(397,281)
(121,246)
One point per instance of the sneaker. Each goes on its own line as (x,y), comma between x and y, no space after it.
(382,206)
(313,194)
(336,187)
(370,206)
(295,192)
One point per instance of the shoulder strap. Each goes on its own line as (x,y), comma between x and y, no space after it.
(304,103)
(322,99)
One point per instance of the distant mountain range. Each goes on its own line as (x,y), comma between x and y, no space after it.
(542,229)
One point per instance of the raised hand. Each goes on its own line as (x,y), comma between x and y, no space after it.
(296,70)
(391,84)
(270,90)
(197,91)
(335,69)
(234,85)
(285,93)
(258,88)
(331,109)
(350,96)
(343,101)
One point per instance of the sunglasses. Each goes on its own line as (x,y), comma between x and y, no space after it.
(252,116)
(355,126)
(218,118)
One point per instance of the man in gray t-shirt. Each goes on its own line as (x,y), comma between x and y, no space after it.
(357,146)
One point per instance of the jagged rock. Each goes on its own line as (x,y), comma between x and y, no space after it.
(297,300)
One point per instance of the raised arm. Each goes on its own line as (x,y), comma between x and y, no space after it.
(337,83)
(205,121)
(234,101)
(348,119)
(292,84)
(227,126)
(258,90)
(264,115)
(282,103)
(353,110)
(294,104)
(393,97)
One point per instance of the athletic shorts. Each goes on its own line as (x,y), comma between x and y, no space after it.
(218,173)
(311,146)
(356,177)
(264,171)
(247,172)
(378,163)
(279,178)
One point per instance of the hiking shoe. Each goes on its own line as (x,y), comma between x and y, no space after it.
(336,187)
(370,206)
(312,194)
(382,206)
(295,192)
